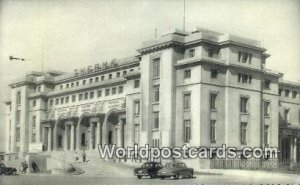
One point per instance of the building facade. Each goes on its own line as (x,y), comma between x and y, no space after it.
(202,88)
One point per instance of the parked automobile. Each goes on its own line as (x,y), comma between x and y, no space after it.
(176,170)
(148,169)
(7,170)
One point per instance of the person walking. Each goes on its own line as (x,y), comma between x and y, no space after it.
(83,156)
(25,166)
(76,157)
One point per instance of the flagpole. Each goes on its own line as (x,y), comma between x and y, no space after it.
(183,15)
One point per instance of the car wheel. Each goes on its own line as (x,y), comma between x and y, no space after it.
(176,176)
(139,176)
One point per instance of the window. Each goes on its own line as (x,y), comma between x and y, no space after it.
(266,135)
(286,115)
(110,76)
(39,89)
(72,84)
(91,80)
(214,73)
(124,73)
(213,97)
(287,93)
(244,78)
(77,84)
(67,86)
(156,93)
(280,92)
(155,120)
(73,98)
(83,82)
(187,101)
(113,90)
(191,53)
(18,134)
(61,87)
(136,83)
(34,103)
(33,121)
(62,100)
(107,91)
(80,97)
(118,74)
(56,101)
(102,78)
(187,131)
(155,143)
(137,108)
(33,137)
(67,99)
(51,103)
(99,93)
(91,94)
(18,98)
(97,79)
(86,95)
(244,57)
(294,94)
(243,133)
(239,56)
(267,108)
(136,133)
(18,117)
(120,89)
(244,105)
(267,84)
(210,53)
(187,74)
(156,67)
(213,131)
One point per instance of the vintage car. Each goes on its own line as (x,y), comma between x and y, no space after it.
(7,170)
(148,169)
(176,170)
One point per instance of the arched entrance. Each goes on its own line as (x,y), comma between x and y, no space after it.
(61,141)
(83,131)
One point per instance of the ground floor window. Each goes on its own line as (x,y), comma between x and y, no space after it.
(187,131)
(243,133)
(213,131)
(155,142)
(266,135)
(136,133)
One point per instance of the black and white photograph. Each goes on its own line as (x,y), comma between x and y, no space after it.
(124,92)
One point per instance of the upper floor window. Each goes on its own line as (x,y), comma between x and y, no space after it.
(110,76)
(91,94)
(156,93)
(124,73)
(244,57)
(137,108)
(213,131)
(191,53)
(210,52)
(34,103)
(244,105)
(213,97)
(287,93)
(61,87)
(294,94)
(56,101)
(267,108)
(51,103)
(267,84)
(244,78)
(113,90)
(86,95)
(187,74)
(107,91)
(67,86)
(286,115)
(280,92)
(118,74)
(39,88)
(67,99)
(99,93)
(18,117)
(102,78)
(33,121)
(136,83)
(187,131)
(266,135)
(243,133)
(18,98)
(156,120)
(120,89)
(77,84)
(187,101)
(91,80)
(72,84)
(73,98)
(97,79)
(83,82)
(214,73)
(80,97)
(156,67)
(62,100)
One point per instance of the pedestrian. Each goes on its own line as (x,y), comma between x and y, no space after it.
(25,166)
(83,156)
(34,167)
(76,157)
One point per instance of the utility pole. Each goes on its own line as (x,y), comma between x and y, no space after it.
(183,15)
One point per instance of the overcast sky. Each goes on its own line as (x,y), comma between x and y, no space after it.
(72,34)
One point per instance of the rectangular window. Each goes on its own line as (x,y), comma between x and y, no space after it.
(156,67)
(120,89)
(213,131)
(67,99)
(83,82)
(113,90)
(214,73)
(62,100)
(243,133)
(124,73)
(156,120)
(266,135)
(102,78)
(33,137)
(61,87)
(91,94)
(56,101)
(267,108)
(187,74)
(18,98)
(107,91)
(136,133)
(136,83)
(244,105)
(191,53)
(99,93)
(156,93)
(18,117)
(110,76)
(155,143)
(245,57)
(80,97)
(187,131)
(18,134)
(137,108)
(118,74)
(287,115)
(34,103)
(187,101)
(86,95)
(287,93)
(67,86)
(97,79)
(239,56)
(33,121)
(91,80)
(72,84)
(267,84)
(73,98)
(77,84)
(213,97)
(210,53)
(280,92)
(51,103)
(294,94)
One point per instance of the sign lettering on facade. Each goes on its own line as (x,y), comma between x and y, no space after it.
(94,68)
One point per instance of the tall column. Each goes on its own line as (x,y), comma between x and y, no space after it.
(119,133)
(91,147)
(295,150)
(45,135)
(78,136)
(98,134)
(66,138)
(72,139)
(49,138)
